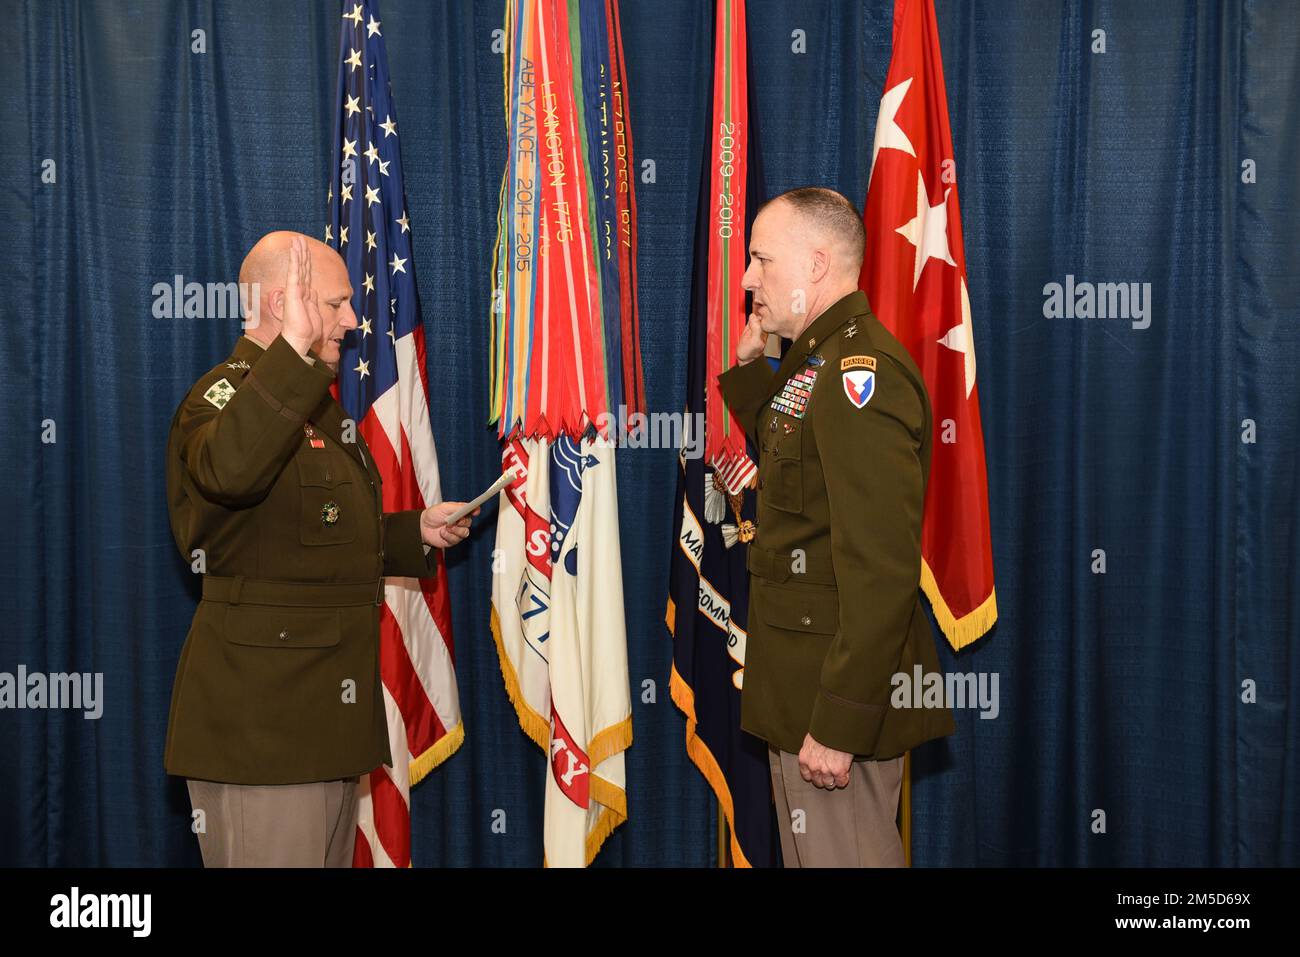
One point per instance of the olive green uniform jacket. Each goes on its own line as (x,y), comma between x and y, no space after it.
(835,605)
(278,681)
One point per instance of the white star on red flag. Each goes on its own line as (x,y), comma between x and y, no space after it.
(914,275)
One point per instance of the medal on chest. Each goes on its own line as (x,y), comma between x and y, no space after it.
(313,437)
(797,391)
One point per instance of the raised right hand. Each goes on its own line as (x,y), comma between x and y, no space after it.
(302,325)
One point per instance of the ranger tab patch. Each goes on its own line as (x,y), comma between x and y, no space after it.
(220,393)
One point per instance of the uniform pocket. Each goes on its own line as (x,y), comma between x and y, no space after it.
(809,609)
(271,626)
(783,486)
(328,507)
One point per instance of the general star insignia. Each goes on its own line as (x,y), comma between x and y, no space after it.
(220,392)
(238,364)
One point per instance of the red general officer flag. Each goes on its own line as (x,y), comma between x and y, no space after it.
(914,275)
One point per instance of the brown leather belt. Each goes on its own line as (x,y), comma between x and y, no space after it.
(779,567)
(253,591)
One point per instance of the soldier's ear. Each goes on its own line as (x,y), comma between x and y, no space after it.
(275,304)
(818,266)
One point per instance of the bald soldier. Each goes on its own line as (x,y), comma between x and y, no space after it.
(277,707)
(843,431)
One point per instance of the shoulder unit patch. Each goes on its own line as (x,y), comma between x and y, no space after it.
(220,392)
(859,386)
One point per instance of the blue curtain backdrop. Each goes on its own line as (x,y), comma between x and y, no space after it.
(1119,692)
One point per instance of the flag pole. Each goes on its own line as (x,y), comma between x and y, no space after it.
(722,836)
(906,809)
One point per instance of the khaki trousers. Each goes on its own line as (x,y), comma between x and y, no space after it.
(284,825)
(853,826)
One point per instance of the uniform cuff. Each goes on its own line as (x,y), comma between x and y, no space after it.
(846,725)
(405,553)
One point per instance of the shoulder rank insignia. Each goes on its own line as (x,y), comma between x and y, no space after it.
(220,392)
(794,395)
(859,386)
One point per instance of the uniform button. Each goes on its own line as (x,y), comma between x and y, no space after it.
(284,636)
(805,620)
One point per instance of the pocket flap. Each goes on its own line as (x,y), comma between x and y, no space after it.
(812,610)
(322,469)
(272,626)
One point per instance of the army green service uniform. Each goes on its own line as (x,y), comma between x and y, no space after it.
(278,681)
(843,430)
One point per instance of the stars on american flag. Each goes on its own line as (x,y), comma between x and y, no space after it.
(367,204)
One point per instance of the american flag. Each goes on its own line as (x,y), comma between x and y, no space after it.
(382,386)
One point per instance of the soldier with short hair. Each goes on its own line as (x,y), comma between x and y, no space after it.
(843,430)
(277,708)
